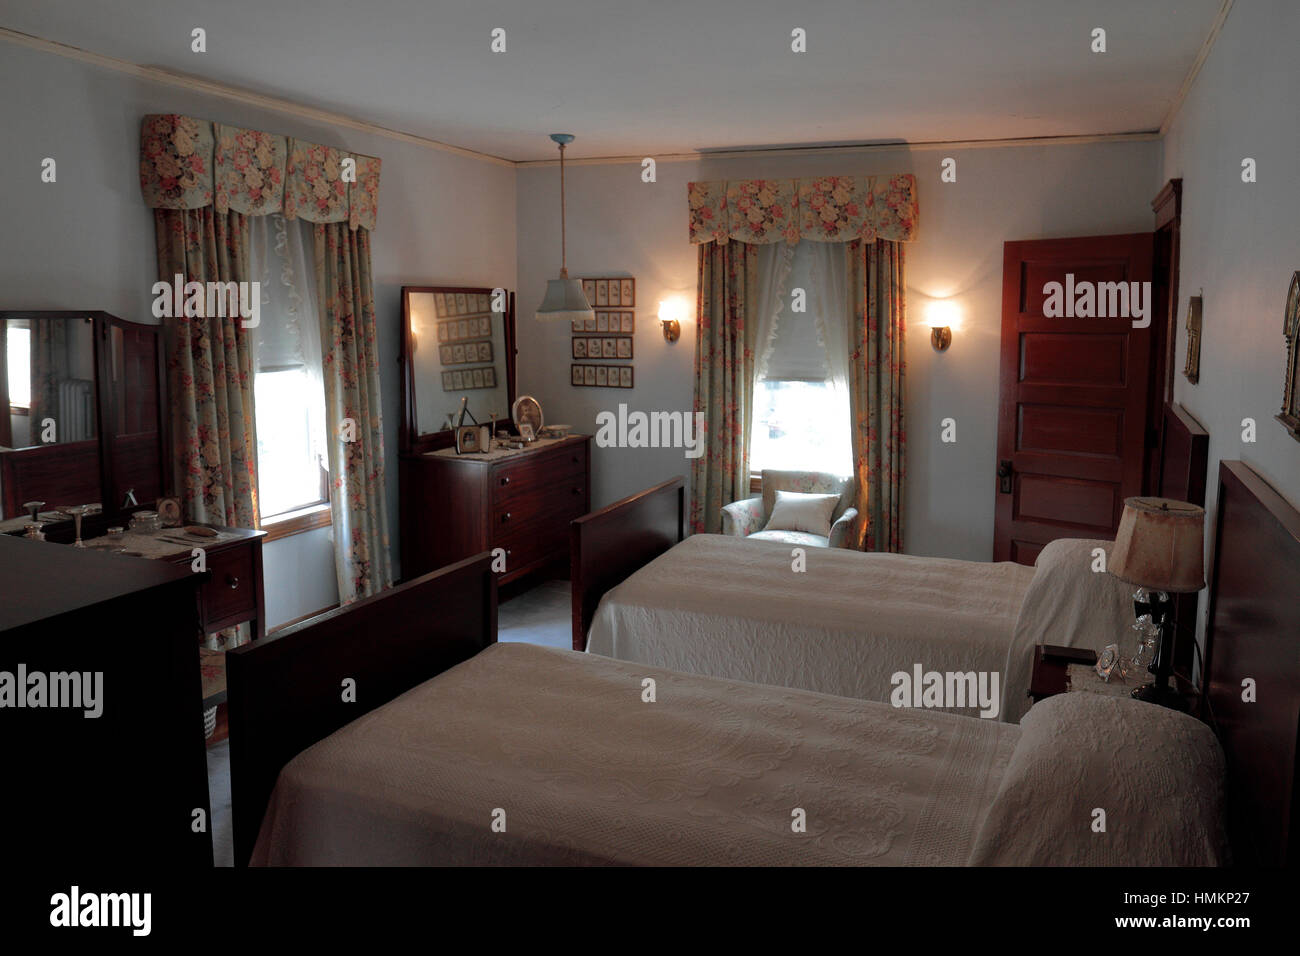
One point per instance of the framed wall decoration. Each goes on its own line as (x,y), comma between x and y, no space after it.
(601,376)
(1290,414)
(1192,368)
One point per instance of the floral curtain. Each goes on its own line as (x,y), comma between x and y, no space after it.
(823,208)
(724,379)
(352,406)
(209,364)
(877,370)
(189,163)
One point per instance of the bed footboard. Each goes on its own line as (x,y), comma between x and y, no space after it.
(608,545)
(299,686)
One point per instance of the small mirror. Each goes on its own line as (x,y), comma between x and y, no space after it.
(458,343)
(47,381)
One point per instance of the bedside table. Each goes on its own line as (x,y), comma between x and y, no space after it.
(1051,676)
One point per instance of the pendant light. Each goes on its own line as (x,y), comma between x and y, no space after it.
(564,300)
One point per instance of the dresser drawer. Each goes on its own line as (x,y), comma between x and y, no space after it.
(511,479)
(230,589)
(559,499)
(525,544)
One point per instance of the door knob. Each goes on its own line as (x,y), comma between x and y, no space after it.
(1004,476)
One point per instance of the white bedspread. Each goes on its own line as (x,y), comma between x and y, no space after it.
(585,772)
(730,607)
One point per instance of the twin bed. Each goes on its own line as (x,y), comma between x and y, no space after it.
(450,749)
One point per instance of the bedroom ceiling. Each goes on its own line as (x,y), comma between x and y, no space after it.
(647,77)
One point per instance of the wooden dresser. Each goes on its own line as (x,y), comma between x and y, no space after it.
(454,506)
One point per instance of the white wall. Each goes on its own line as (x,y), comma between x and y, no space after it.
(619,225)
(1241,242)
(87,241)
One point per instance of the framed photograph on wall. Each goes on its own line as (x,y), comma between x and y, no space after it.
(625,376)
(589,375)
(490,377)
(602,375)
(602,292)
(447,385)
(579,348)
(624,344)
(627,322)
(628,293)
(589,290)
(615,295)
(575,374)
(608,349)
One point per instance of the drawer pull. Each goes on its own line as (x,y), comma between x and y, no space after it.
(505,481)
(577,491)
(506,516)
(232,582)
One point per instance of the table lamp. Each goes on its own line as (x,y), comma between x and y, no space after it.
(1160,548)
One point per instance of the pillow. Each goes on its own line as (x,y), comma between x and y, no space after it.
(795,511)
(1158,775)
(1070,605)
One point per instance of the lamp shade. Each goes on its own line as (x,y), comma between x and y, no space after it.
(1160,545)
(564,301)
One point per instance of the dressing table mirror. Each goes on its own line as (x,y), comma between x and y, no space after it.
(80,412)
(517,501)
(458,344)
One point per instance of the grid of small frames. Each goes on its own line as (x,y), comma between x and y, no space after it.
(606,336)
(465,338)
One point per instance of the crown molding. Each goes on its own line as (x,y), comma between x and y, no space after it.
(1201,56)
(703,155)
(225,91)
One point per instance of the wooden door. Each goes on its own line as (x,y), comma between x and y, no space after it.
(1074,389)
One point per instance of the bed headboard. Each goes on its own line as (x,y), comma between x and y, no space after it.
(1254,633)
(287,691)
(1184,471)
(608,545)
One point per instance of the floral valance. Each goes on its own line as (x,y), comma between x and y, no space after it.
(824,208)
(188,163)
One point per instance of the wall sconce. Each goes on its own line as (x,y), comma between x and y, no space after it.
(671,312)
(942,315)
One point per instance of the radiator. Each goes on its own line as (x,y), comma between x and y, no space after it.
(76,419)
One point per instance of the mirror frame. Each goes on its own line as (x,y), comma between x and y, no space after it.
(410,440)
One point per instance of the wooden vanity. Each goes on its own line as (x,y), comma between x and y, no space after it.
(454,506)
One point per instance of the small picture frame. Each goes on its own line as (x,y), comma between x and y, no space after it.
(490,377)
(169,512)
(458,355)
(462,328)
(625,376)
(477,378)
(445,354)
(628,294)
(627,322)
(447,385)
(579,325)
(458,380)
(575,374)
(483,302)
(589,290)
(579,348)
(602,321)
(602,375)
(593,348)
(602,292)
(589,375)
(469,439)
(485,325)
(608,349)
(442,332)
(526,432)
(461,308)
(615,296)
(624,344)
(589,325)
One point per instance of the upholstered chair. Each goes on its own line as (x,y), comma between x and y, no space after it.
(746,518)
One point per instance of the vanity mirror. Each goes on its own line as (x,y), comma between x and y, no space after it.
(458,343)
(80,411)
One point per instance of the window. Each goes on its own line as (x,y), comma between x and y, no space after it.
(800,425)
(290,473)
(19,349)
(293,481)
(801,403)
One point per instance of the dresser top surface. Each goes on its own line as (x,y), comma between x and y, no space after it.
(498,455)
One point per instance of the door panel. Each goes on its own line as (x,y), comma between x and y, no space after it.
(1073,396)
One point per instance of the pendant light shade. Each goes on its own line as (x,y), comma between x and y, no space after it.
(564,300)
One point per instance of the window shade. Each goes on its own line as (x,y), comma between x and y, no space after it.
(797,354)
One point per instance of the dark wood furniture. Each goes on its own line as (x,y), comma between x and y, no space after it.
(454,506)
(130,447)
(286,692)
(233,592)
(608,545)
(1050,675)
(126,788)
(1183,470)
(1254,636)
